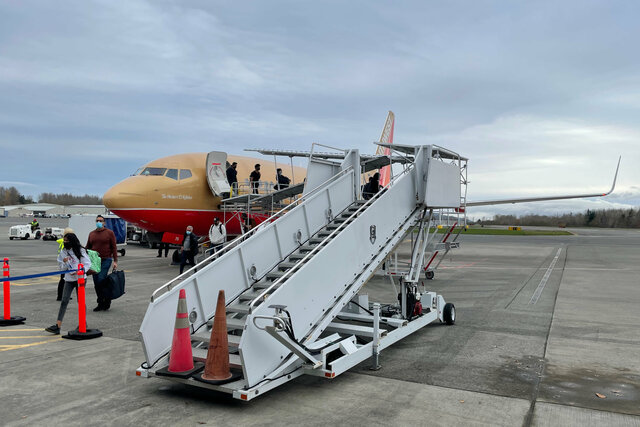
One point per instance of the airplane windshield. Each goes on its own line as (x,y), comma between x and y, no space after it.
(154,171)
(185,173)
(172,173)
(139,171)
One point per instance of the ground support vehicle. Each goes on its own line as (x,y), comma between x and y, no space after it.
(52,233)
(24,232)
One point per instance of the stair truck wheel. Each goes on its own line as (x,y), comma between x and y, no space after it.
(430,274)
(449,313)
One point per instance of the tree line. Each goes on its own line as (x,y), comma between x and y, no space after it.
(11,196)
(605,218)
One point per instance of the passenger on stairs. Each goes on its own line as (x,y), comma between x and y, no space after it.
(189,248)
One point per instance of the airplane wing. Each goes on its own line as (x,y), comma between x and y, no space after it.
(540,199)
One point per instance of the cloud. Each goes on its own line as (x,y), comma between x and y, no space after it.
(541,98)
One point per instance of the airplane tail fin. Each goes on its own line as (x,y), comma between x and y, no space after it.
(386,137)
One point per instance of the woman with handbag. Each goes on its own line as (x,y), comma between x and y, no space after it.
(68,259)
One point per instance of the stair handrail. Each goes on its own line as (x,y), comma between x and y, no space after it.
(235,242)
(297,265)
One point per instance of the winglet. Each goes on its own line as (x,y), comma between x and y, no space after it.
(615,177)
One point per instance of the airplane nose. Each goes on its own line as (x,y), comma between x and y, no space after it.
(121,196)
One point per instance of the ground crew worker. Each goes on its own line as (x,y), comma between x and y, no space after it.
(34,225)
(217,234)
(60,243)
(103,241)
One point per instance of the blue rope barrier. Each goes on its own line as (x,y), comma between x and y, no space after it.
(32,276)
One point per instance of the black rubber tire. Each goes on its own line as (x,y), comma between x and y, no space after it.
(449,313)
(38,235)
(175,257)
(122,252)
(10,238)
(429,274)
(26,236)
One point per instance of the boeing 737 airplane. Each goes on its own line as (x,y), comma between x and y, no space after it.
(168,194)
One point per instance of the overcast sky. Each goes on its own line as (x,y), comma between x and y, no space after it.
(541,96)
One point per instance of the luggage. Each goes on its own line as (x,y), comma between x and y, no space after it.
(96,262)
(116,283)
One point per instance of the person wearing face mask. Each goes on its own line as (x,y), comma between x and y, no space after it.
(103,241)
(189,248)
(69,257)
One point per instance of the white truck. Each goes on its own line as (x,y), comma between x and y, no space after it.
(24,232)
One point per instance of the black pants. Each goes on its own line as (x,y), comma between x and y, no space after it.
(101,284)
(164,246)
(186,257)
(60,287)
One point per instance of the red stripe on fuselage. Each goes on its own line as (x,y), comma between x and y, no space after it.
(176,221)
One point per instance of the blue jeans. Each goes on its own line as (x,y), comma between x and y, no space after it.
(101,285)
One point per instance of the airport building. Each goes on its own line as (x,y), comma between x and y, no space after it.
(49,210)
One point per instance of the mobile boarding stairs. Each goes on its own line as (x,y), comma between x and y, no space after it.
(292,303)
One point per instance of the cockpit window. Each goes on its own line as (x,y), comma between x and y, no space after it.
(153,171)
(139,171)
(172,173)
(185,173)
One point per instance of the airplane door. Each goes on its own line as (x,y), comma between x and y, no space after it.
(216,172)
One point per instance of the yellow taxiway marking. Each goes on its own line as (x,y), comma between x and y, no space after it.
(21,330)
(37,281)
(24,336)
(19,346)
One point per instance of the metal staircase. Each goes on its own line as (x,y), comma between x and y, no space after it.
(288,282)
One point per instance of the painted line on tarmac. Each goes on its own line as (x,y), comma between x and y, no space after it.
(21,330)
(19,346)
(24,336)
(545,278)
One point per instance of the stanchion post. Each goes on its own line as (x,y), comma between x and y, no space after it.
(7,320)
(6,293)
(82,308)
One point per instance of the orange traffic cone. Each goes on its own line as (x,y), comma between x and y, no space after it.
(216,370)
(181,357)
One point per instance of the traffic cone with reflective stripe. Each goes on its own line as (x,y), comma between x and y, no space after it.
(216,370)
(181,356)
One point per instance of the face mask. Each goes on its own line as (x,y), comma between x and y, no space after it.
(188,232)
(99,224)
(67,245)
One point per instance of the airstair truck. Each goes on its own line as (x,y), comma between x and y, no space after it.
(291,285)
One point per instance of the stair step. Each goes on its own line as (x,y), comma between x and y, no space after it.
(205,335)
(238,308)
(249,296)
(316,240)
(287,265)
(234,323)
(307,248)
(263,284)
(275,275)
(297,256)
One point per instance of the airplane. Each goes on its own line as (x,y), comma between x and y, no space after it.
(170,193)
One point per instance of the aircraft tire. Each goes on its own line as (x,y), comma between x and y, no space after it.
(430,274)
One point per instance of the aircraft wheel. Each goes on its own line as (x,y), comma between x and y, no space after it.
(449,313)
(430,274)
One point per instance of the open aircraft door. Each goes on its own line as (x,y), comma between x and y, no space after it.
(216,172)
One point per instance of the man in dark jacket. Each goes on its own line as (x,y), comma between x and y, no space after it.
(103,241)
(254,179)
(189,248)
(283,181)
(232,177)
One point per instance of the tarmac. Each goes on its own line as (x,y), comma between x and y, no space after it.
(546,334)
